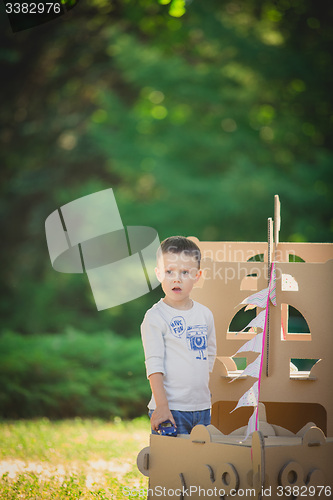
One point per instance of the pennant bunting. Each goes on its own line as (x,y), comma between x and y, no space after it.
(252,370)
(251,425)
(253,345)
(249,307)
(258,321)
(256,344)
(250,398)
(258,299)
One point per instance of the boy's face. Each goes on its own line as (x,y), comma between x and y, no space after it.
(177,272)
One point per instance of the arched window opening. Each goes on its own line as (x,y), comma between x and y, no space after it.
(293,324)
(260,257)
(241,319)
(295,258)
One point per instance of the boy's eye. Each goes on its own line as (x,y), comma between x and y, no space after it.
(185,272)
(168,271)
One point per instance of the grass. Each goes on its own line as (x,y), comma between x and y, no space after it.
(72,459)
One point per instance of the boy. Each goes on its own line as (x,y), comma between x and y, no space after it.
(178,337)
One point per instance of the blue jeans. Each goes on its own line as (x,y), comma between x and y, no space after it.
(186,420)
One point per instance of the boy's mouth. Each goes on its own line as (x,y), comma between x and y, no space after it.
(176,289)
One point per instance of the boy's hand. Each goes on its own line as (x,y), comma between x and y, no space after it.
(160,415)
(162,412)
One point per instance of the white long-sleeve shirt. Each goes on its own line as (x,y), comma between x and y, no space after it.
(181,345)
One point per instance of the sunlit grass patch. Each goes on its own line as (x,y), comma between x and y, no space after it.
(31,486)
(79,458)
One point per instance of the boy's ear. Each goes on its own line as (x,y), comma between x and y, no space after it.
(198,276)
(159,274)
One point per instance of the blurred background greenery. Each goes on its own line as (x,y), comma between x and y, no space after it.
(196,114)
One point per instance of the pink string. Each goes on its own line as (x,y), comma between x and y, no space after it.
(263,344)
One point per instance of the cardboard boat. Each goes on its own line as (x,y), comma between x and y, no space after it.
(291,452)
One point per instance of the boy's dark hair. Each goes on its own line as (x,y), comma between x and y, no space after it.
(179,244)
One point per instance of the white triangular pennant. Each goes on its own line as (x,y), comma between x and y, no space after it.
(251,425)
(258,299)
(252,370)
(258,321)
(253,345)
(250,398)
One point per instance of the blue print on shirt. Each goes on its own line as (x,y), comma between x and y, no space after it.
(178,326)
(196,337)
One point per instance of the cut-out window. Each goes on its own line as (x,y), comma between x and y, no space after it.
(304,365)
(232,366)
(241,319)
(241,363)
(300,368)
(296,321)
(293,324)
(295,258)
(256,258)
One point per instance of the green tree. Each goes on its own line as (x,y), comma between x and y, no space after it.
(196,120)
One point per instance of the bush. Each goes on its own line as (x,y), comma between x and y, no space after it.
(72,374)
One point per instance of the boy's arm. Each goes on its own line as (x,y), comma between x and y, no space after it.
(153,343)
(162,411)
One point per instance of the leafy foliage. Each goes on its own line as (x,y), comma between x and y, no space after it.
(195,118)
(72,374)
